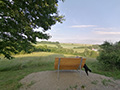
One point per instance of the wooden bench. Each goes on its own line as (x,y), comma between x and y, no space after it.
(69,64)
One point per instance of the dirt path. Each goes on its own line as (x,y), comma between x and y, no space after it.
(69,80)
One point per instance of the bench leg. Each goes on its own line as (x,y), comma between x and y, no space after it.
(80,65)
(58,68)
(58,74)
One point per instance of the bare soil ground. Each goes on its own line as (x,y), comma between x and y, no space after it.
(69,80)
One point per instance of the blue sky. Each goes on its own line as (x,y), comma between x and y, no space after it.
(87,22)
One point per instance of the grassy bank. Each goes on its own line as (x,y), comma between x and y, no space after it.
(97,68)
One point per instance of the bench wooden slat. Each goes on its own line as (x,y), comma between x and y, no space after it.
(69,63)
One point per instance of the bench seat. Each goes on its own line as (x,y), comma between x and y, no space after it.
(69,63)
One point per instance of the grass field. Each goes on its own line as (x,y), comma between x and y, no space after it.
(49,45)
(97,68)
(79,50)
(71,45)
(12,71)
(67,46)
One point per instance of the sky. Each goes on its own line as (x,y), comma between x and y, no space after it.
(87,22)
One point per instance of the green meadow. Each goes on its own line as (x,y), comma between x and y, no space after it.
(76,47)
(12,71)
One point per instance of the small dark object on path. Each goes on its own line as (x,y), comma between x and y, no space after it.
(86,69)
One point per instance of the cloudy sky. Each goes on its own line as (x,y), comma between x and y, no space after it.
(88,22)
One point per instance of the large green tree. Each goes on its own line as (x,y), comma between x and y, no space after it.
(109,55)
(19,18)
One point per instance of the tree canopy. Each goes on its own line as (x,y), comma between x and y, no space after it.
(19,18)
(109,55)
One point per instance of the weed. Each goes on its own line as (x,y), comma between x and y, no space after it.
(72,87)
(95,82)
(31,83)
(76,86)
(106,82)
(83,87)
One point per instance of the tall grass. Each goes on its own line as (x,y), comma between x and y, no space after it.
(28,60)
(96,67)
(12,71)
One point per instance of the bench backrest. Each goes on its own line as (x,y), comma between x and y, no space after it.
(69,63)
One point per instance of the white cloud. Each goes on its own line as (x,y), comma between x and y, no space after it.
(107,33)
(83,26)
(104,29)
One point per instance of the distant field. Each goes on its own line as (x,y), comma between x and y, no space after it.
(79,50)
(49,45)
(65,45)
(71,45)
(68,46)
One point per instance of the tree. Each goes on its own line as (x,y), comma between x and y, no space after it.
(109,55)
(19,18)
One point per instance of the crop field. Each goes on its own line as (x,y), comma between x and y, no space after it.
(76,47)
(79,50)
(71,45)
(49,45)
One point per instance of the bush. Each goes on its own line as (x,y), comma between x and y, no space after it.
(42,48)
(109,55)
(90,53)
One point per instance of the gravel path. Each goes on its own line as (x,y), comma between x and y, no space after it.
(69,80)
